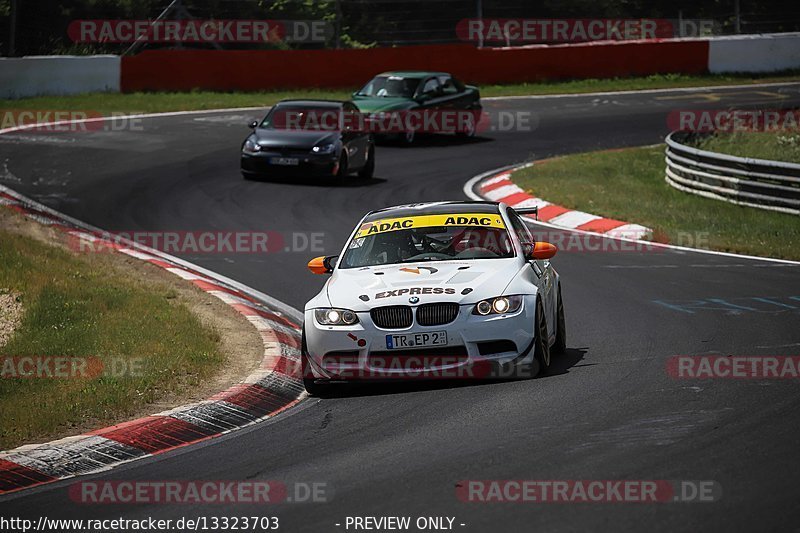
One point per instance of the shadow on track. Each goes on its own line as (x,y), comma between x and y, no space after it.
(350,182)
(559,365)
(433,141)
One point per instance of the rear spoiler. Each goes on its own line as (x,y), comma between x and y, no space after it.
(528,211)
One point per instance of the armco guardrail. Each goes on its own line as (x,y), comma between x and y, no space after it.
(772,185)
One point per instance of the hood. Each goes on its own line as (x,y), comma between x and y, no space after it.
(282,138)
(463,282)
(377,104)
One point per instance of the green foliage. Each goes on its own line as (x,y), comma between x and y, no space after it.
(629,185)
(77,307)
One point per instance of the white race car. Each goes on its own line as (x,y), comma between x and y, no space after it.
(434,290)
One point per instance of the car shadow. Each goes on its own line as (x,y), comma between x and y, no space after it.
(350,182)
(434,141)
(559,365)
(563,362)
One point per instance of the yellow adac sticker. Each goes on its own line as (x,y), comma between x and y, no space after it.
(484,220)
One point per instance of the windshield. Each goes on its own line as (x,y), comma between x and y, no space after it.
(428,238)
(295,117)
(390,86)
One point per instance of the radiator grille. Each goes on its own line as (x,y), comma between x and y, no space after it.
(436,314)
(392,317)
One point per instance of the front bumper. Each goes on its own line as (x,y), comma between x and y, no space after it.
(309,165)
(476,347)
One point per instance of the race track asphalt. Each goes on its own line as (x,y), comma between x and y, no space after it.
(607,411)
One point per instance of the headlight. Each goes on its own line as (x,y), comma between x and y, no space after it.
(498,306)
(250,146)
(324,148)
(335,317)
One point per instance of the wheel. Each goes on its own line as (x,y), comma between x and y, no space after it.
(560,346)
(312,387)
(369,167)
(341,174)
(469,131)
(542,342)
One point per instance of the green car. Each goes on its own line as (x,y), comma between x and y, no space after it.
(404,103)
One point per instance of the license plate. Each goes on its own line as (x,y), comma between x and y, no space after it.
(416,340)
(288,161)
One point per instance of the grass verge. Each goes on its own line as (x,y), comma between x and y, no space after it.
(629,185)
(152,344)
(157,102)
(775,146)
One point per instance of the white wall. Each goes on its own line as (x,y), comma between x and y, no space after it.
(58,75)
(754,53)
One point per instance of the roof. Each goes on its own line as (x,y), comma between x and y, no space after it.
(413,73)
(434,208)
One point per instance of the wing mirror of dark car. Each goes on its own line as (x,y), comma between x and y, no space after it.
(323,264)
(253,125)
(540,250)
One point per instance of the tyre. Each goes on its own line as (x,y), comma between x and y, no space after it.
(369,167)
(341,174)
(560,346)
(469,131)
(542,343)
(312,387)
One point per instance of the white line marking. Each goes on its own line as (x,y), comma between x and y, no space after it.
(643,91)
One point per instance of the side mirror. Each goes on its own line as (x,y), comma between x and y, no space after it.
(323,265)
(539,250)
(253,125)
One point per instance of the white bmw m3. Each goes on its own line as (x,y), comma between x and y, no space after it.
(447,289)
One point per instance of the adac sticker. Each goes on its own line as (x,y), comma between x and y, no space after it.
(484,220)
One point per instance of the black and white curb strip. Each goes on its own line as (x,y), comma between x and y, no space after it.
(274,387)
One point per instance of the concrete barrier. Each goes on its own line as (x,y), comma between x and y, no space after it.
(58,75)
(754,53)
